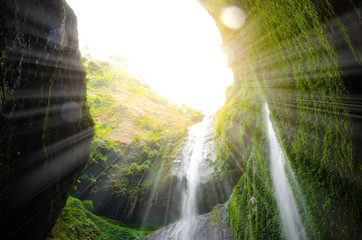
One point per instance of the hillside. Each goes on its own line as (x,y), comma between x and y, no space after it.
(137,134)
(124,105)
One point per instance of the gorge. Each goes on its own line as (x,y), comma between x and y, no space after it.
(88,151)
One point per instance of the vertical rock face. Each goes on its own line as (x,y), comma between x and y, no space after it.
(304,59)
(45,126)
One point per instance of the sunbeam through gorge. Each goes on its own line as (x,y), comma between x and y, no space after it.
(174,45)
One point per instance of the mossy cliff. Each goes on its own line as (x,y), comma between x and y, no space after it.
(45,125)
(303,58)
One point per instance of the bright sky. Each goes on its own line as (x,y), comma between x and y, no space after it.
(174,44)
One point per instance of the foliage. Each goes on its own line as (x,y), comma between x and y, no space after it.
(132,183)
(114,96)
(290,54)
(77,222)
(242,161)
(88,204)
(137,132)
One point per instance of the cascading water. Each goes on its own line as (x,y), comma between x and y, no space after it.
(192,169)
(288,210)
(195,154)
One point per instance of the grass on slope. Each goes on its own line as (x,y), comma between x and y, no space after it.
(124,104)
(77,222)
(137,133)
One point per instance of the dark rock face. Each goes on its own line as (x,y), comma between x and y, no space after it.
(45,126)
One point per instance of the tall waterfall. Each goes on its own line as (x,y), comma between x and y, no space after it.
(195,153)
(192,169)
(288,210)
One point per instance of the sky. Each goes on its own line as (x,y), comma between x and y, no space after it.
(173,44)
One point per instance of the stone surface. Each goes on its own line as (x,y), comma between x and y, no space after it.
(209,226)
(45,127)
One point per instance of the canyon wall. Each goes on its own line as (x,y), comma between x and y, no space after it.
(46,128)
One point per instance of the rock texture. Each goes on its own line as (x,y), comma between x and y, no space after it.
(304,59)
(45,126)
(209,226)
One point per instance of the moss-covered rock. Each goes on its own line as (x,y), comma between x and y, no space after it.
(45,126)
(303,58)
(76,222)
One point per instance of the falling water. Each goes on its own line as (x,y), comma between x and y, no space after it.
(195,154)
(192,169)
(291,221)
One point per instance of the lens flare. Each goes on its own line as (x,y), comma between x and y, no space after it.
(233,17)
(70,112)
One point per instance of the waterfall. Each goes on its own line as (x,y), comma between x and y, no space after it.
(192,169)
(195,154)
(288,210)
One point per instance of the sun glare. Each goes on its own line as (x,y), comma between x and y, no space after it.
(173,44)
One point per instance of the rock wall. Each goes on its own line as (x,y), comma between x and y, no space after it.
(45,125)
(208,226)
(302,57)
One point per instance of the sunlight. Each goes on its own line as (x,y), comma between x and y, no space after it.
(174,44)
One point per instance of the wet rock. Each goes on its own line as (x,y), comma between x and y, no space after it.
(45,127)
(209,226)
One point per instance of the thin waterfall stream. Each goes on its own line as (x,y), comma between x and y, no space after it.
(288,209)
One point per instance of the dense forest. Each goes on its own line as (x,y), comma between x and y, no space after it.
(89,151)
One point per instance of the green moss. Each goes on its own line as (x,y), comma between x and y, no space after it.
(242,161)
(290,59)
(76,222)
(88,204)
(216,214)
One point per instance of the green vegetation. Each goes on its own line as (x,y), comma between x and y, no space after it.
(287,55)
(77,222)
(136,135)
(242,160)
(216,214)
(124,107)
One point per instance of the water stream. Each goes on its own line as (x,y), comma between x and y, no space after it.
(191,170)
(288,210)
(195,155)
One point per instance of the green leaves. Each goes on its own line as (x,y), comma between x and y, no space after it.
(137,133)
(78,222)
(134,169)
